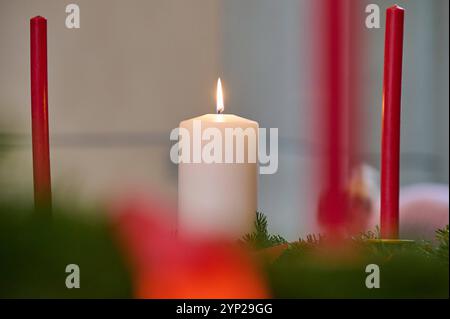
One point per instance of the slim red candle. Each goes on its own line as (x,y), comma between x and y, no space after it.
(330,114)
(390,149)
(39,112)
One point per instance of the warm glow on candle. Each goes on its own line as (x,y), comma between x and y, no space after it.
(219,97)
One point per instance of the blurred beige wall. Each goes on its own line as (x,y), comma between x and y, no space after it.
(117,86)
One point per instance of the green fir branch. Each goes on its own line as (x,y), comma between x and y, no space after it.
(442,248)
(439,248)
(260,237)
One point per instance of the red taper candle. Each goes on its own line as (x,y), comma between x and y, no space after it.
(39,112)
(332,111)
(390,148)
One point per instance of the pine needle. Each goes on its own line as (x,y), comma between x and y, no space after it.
(260,237)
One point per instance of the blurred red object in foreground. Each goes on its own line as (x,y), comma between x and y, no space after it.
(164,266)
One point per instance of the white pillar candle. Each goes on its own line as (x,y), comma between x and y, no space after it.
(217,195)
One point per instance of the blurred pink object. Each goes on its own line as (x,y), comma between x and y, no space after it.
(164,266)
(424,207)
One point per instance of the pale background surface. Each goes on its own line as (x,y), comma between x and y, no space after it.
(134,69)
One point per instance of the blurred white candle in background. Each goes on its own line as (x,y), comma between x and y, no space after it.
(218,197)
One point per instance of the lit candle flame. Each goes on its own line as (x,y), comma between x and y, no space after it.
(219,97)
